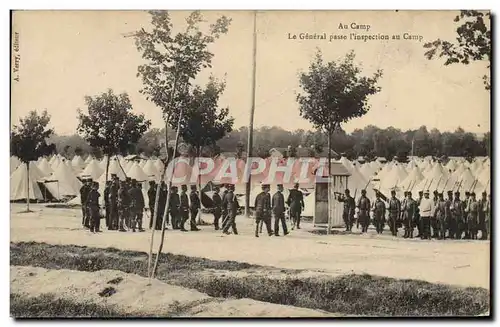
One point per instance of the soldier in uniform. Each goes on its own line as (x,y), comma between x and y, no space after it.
(456,214)
(263,210)
(295,202)
(217,207)
(394,213)
(364,211)
(488,217)
(152,199)
(449,204)
(483,208)
(409,215)
(224,207)
(472,217)
(175,203)
(417,221)
(462,223)
(379,214)
(441,214)
(434,220)
(137,206)
(278,207)
(84,192)
(184,207)
(426,209)
(403,202)
(106,204)
(232,205)
(123,205)
(194,207)
(162,206)
(348,212)
(93,205)
(113,204)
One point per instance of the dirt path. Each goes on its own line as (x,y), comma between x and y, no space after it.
(133,294)
(464,263)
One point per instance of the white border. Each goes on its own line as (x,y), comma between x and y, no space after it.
(185,4)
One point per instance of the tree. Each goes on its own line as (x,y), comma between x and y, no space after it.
(334,93)
(110,124)
(28,141)
(473,42)
(172,61)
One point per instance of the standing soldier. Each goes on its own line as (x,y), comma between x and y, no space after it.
(93,205)
(456,209)
(137,206)
(364,211)
(441,214)
(394,213)
(106,204)
(472,217)
(184,207)
(113,203)
(462,224)
(348,212)
(175,203)
(224,206)
(295,202)
(409,215)
(418,222)
(152,199)
(123,205)
(278,205)
(232,205)
(483,208)
(488,216)
(449,204)
(162,206)
(379,213)
(84,192)
(217,207)
(194,207)
(263,210)
(426,209)
(434,220)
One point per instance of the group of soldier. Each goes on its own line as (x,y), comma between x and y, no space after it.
(266,207)
(449,218)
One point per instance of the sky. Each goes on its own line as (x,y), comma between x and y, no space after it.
(66,55)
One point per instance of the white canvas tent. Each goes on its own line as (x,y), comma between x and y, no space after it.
(21,188)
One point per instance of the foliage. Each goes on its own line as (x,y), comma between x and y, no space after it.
(174,59)
(110,124)
(203,122)
(335,92)
(29,137)
(473,42)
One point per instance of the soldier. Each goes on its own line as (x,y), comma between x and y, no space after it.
(84,192)
(106,204)
(162,206)
(263,210)
(152,199)
(137,206)
(488,217)
(403,202)
(409,215)
(93,205)
(417,221)
(224,206)
(456,214)
(194,207)
(441,215)
(483,208)
(462,223)
(175,202)
(232,205)
(217,207)
(364,211)
(449,203)
(113,204)
(184,207)
(472,217)
(379,213)
(348,212)
(278,207)
(123,205)
(426,209)
(295,202)
(394,213)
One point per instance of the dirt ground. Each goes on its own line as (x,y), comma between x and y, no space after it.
(464,263)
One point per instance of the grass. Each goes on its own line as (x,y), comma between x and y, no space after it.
(351,294)
(48,306)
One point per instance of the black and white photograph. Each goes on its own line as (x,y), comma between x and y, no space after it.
(250,164)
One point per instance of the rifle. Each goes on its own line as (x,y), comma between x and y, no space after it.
(446,183)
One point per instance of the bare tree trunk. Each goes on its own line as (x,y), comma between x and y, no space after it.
(329,173)
(107,167)
(167,207)
(28,187)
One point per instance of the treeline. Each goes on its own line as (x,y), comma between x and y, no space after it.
(370,141)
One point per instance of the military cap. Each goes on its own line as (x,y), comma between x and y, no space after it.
(193,187)
(408,193)
(435,192)
(347,191)
(457,193)
(450,192)
(467,193)
(151,182)
(473,194)
(264,186)
(363,191)
(426,192)
(420,192)
(440,194)
(484,193)
(393,192)
(280,185)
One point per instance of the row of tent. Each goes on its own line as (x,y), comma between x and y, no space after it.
(59,179)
